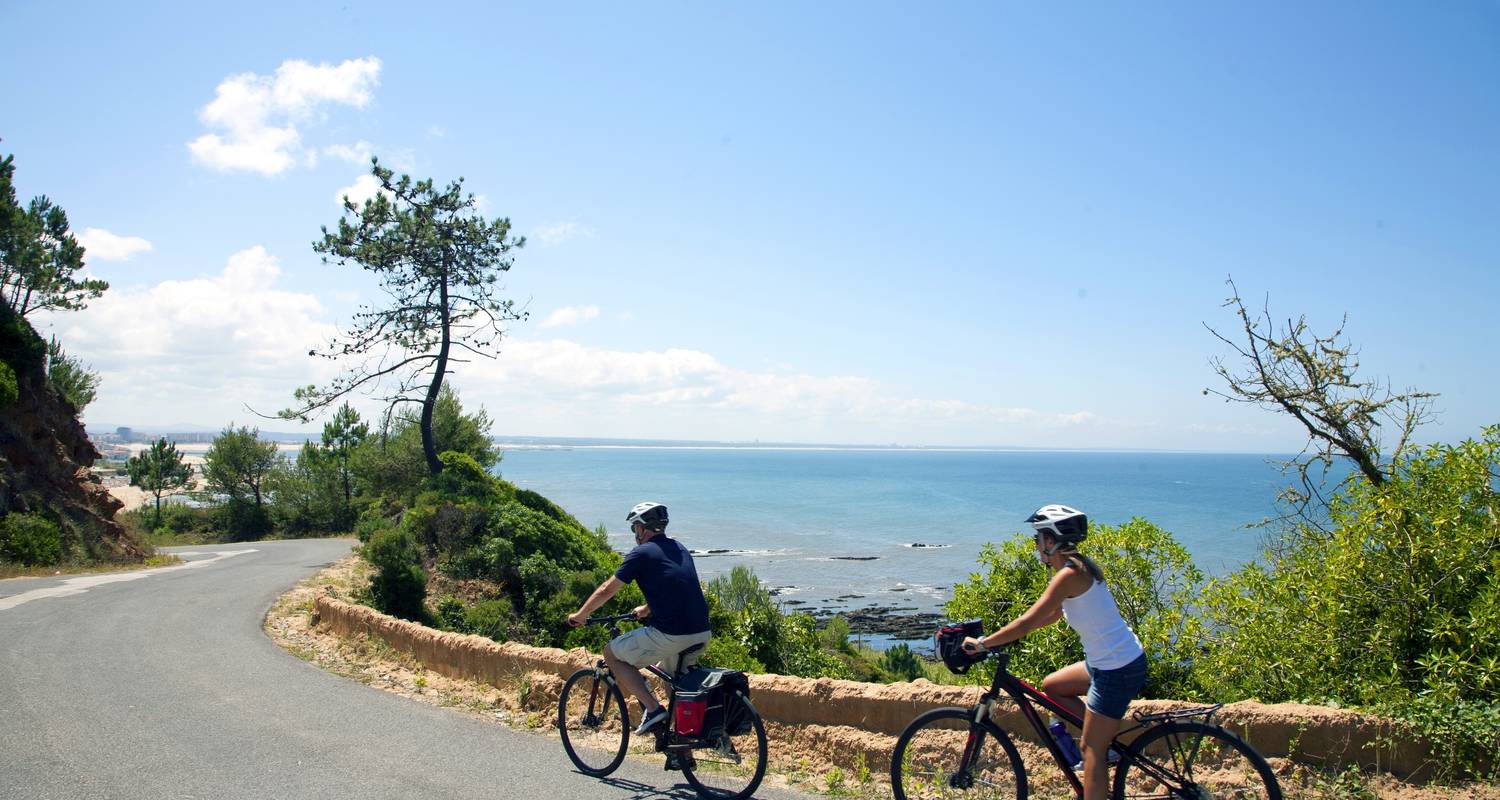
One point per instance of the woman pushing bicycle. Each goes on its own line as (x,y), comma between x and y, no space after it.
(1114,667)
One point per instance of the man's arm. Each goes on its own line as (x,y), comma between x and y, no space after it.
(600,596)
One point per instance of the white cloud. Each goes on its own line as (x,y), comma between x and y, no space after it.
(682,393)
(257,116)
(556,234)
(200,350)
(570,315)
(358,153)
(101,245)
(363,188)
(436,131)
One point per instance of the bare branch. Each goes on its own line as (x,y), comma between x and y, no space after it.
(1312,379)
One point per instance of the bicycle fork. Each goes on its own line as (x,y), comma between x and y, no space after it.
(593,719)
(964,777)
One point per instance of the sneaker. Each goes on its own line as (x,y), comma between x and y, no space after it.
(651,720)
(675,762)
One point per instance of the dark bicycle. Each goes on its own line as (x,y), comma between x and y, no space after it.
(716,737)
(961,752)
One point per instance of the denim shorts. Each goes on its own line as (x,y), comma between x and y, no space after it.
(1111,690)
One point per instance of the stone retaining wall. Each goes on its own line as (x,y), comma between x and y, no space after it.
(819,707)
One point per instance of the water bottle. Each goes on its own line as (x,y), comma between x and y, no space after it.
(1065,741)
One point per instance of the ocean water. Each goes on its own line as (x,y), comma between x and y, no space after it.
(840,529)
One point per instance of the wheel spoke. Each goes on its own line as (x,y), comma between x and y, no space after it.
(929,762)
(732,764)
(1191,759)
(593,722)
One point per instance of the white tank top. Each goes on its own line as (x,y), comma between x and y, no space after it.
(1108,643)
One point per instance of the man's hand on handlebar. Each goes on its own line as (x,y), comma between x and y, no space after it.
(642,611)
(578,619)
(972,645)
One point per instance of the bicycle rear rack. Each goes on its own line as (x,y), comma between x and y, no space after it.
(1206,712)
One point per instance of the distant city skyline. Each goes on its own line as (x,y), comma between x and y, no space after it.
(969,225)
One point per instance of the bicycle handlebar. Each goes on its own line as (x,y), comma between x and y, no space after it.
(609,620)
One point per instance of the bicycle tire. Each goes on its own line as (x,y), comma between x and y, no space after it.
(926,763)
(718,771)
(1196,758)
(594,722)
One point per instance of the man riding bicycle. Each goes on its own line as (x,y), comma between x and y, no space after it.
(675,607)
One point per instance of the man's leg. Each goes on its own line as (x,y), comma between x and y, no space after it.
(631,681)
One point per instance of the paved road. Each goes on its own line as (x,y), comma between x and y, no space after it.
(163,685)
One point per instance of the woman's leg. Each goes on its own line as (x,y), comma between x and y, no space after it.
(1067,686)
(1098,732)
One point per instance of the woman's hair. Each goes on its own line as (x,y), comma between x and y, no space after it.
(1087,563)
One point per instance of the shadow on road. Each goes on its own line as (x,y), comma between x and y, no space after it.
(643,792)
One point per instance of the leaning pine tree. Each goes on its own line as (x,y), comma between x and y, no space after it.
(439,261)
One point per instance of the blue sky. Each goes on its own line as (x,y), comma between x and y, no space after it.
(985,224)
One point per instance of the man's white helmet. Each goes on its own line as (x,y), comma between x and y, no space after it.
(652,515)
(1067,526)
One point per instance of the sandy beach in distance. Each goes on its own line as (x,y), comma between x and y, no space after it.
(192,453)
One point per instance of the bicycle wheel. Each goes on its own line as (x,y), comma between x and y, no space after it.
(731,766)
(943,754)
(1193,759)
(593,721)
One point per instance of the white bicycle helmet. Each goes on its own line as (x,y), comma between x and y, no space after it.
(1067,526)
(652,515)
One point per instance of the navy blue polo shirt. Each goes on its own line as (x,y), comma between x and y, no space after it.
(664,570)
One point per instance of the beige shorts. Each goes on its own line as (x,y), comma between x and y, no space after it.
(647,645)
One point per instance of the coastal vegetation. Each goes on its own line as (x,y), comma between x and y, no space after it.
(1377,590)
(48,517)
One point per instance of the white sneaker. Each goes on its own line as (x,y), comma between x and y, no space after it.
(651,720)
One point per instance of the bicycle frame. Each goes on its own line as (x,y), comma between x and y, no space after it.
(1024,695)
(667,738)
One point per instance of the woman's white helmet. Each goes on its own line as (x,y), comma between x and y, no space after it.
(1067,526)
(652,515)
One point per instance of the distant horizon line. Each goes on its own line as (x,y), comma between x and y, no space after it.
(533,442)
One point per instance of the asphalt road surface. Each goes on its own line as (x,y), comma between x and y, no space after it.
(161,684)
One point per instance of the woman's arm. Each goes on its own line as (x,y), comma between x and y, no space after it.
(1046,610)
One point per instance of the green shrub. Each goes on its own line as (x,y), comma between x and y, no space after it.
(440,526)
(30,539)
(180,524)
(901,663)
(20,346)
(1465,733)
(463,478)
(372,519)
(1398,597)
(727,652)
(492,618)
(743,613)
(561,540)
(1394,605)
(399,585)
(10,390)
(242,520)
